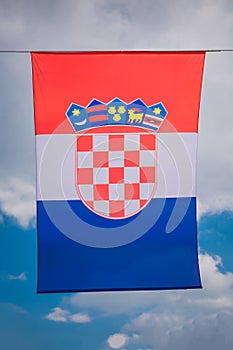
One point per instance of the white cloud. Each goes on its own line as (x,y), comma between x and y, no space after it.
(80,318)
(179,319)
(210,331)
(188,319)
(17,199)
(117,340)
(215,169)
(82,25)
(112,302)
(130,24)
(21,277)
(60,315)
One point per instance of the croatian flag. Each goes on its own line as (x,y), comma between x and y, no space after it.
(116,142)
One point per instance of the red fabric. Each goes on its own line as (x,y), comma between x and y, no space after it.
(173,78)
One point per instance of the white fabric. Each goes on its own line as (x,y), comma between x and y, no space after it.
(56,165)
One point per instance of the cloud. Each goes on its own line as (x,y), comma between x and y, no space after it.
(187,319)
(60,315)
(82,26)
(12,307)
(132,24)
(117,340)
(215,138)
(179,319)
(179,331)
(18,309)
(80,318)
(21,277)
(17,200)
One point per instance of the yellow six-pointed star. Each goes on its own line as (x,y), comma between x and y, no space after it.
(76,112)
(157,110)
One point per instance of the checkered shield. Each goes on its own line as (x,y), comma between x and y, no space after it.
(116,172)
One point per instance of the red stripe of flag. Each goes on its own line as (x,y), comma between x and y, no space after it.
(96,108)
(98,118)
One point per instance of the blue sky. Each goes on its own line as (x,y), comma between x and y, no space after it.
(105,321)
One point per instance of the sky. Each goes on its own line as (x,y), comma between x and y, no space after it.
(121,320)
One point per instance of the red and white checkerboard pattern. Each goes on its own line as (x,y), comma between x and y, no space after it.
(116,173)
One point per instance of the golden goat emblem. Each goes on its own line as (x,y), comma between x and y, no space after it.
(134,117)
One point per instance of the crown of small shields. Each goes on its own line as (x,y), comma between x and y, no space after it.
(116,112)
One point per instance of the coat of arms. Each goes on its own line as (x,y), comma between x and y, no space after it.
(116,155)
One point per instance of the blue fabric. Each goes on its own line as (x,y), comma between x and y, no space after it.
(156,260)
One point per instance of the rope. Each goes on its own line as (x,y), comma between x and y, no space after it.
(80,51)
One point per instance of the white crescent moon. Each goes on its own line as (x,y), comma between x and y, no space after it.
(82,122)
